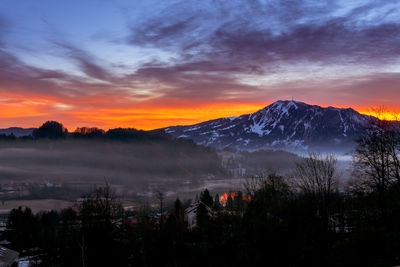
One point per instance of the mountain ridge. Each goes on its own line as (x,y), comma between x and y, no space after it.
(17,131)
(284,124)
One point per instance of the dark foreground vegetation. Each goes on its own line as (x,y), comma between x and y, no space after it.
(277,227)
(304,220)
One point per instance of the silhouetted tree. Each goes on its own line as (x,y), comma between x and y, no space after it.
(99,214)
(269,185)
(51,130)
(316,175)
(317,180)
(217,204)
(179,211)
(160,197)
(376,158)
(202,215)
(176,218)
(238,202)
(88,132)
(20,229)
(229,202)
(206,198)
(10,137)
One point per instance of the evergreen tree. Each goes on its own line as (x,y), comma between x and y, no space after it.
(202,215)
(229,203)
(179,211)
(238,203)
(217,205)
(206,198)
(21,226)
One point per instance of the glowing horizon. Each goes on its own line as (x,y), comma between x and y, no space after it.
(155,118)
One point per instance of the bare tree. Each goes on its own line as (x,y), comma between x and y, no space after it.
(376,157)
(316,178)
(252,185)
(160,197)
(316,175)
(103,205)
(98,213)
(266,181)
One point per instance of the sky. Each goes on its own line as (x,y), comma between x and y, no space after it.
(150,64)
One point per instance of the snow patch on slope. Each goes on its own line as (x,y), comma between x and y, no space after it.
(257,128)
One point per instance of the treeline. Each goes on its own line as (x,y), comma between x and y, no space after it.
(55,130)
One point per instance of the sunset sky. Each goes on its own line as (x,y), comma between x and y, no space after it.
(148,64)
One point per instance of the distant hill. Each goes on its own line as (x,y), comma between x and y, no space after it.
(17,131)
(289,125)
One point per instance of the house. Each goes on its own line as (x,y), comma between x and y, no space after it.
(7,256)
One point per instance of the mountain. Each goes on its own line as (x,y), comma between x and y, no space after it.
(17,131)
(289,125)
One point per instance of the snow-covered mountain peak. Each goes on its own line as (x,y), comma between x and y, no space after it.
(282,124)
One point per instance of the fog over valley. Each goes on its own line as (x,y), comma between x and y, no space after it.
(178,167)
